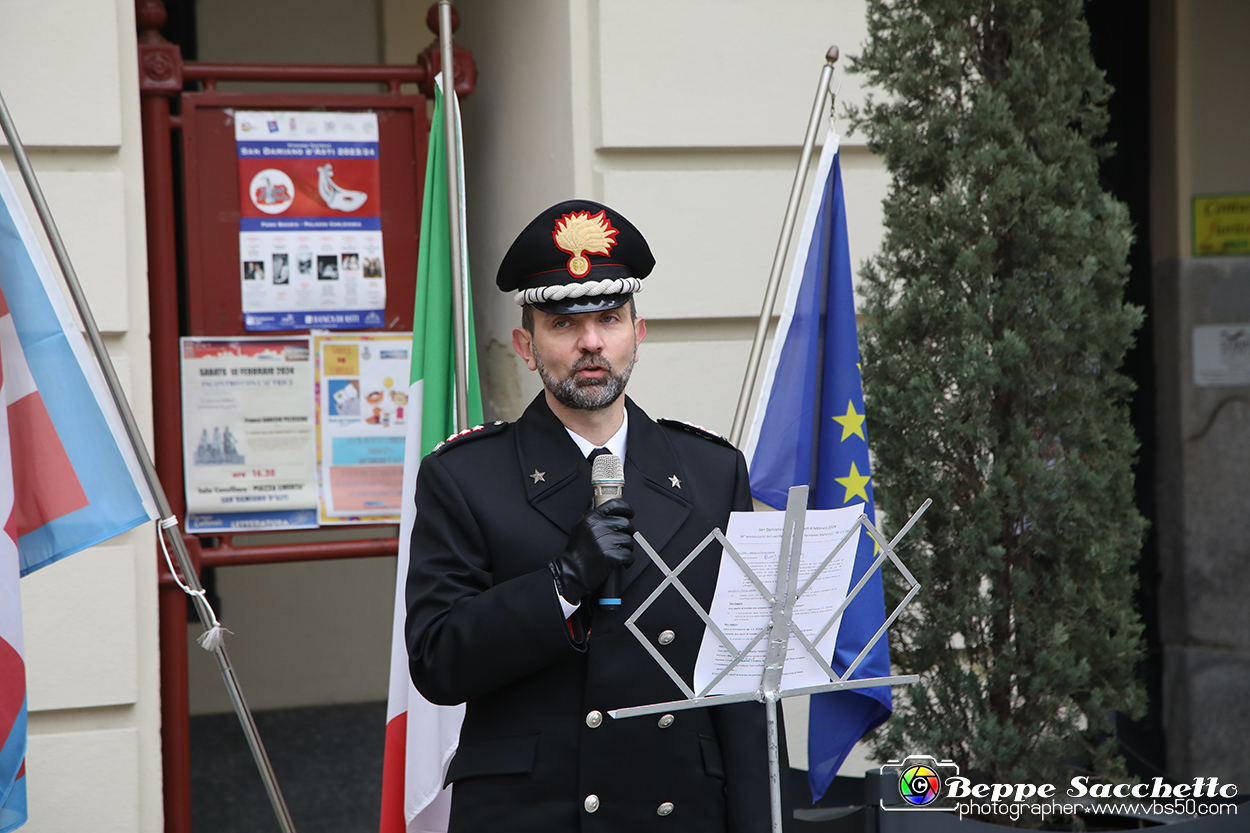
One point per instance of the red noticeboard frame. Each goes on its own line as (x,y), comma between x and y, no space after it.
(212,296)
(194,289)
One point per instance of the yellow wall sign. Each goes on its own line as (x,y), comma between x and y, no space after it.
(1222,225)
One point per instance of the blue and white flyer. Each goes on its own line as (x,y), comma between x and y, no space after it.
(310,227)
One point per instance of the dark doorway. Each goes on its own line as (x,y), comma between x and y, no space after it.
(1119,37)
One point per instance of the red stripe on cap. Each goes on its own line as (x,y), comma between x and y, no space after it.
(44,481)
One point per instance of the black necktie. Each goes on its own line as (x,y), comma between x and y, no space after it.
(596,453)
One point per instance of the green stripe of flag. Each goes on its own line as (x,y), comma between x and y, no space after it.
(433,333)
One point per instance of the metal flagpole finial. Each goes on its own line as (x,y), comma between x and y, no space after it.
(831,58)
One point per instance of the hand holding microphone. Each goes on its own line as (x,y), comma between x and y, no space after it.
(607,481)
(601,543)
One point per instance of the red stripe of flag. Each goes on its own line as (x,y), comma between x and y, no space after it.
(12,687)
(44,480)
(393,771)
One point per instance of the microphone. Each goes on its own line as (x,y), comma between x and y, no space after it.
(607,479)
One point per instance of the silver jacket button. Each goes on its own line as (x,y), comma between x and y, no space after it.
(665,721)
(592,803)
(666,637)
(664,809)
(594,718)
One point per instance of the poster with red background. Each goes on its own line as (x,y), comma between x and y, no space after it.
(310,234)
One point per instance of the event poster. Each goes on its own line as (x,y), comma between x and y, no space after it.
(310,232)
(248,434)
(362,410)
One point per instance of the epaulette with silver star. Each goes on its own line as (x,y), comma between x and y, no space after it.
(697,430)
(469,433)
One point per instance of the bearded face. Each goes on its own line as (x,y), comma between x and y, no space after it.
(584,359)
(587,393)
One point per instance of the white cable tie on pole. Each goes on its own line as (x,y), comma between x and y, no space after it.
(212,638)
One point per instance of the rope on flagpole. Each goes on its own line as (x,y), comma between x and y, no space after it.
(212,638)
(783,246)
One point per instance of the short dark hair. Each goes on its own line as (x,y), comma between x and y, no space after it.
(527,315)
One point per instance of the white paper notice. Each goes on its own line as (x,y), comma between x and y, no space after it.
(247,434)
(1222,355)
(741,612)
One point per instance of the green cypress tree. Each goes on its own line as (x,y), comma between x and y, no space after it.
(996,325)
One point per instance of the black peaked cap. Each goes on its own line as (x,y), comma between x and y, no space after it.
(572,243)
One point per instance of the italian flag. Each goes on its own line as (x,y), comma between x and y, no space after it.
(421,738)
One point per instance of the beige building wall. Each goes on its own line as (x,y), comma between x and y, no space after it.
(68,74)
(686,117)
(1201,115)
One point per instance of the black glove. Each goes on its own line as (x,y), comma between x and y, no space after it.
(600,543)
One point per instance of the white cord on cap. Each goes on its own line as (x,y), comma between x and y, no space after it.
(607,286)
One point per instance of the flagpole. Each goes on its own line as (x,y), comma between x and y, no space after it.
(168,525)
(822,332)
(783,246)
(453,217)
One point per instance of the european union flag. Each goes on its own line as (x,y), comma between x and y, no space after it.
(809,428)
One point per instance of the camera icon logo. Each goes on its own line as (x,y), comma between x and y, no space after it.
(919,785)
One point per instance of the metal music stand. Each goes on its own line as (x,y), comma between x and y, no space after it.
(779,629)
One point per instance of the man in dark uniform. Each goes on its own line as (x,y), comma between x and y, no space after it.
(507,556)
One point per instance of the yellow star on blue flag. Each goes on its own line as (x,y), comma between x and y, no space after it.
(852,423)
(855,484)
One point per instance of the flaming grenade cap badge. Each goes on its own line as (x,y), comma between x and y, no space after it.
(580,233)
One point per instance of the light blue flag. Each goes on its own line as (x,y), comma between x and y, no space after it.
(77,477)
(69,477)
(809,428)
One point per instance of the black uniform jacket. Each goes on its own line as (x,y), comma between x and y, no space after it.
(485,628)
